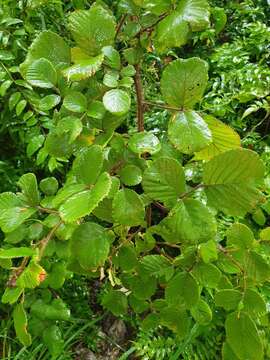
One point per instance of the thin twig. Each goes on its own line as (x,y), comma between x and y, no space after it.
(119,26)
(162,106)
(140,98)
(44,242)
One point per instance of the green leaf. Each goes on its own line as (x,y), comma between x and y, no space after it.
(11,295)
(144,142)
(139,306)
(173,31)
(224,138)
(188,132)
(29,187)
(164,180)
(75,102)
(41,73)
(83,203)
(13,212)
(88,164)
(131,175)
(229,299)
(116,302)
(84,69)
(92,29)
(47,45)
(127,258)
(191,222)
(243,337)
(70,125)
(20,324)
(142,287)
(176,319)
(265,234)
(13,100)
(58,145)
(49,186)
(90,245)
(32,276)
(182,289)
(34,144)
(231,179)
(53,339)
(208,251)
(208,275)
(66,192)
(183,82)
(117,102)
(128,208)
(56,310)
(257,267)
(96,110)
(240,235)
(16,252)
(254,304)
(157,266)
(49,102)
(202,313)
(112,57)
(20,107)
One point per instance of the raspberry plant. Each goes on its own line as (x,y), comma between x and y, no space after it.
(136,210)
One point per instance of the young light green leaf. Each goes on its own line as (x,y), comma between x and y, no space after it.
(131,175)
(144,142)
(240,236)
(16,252)
(75,102)
(29,187)
(188,132)
(20,324)
(84,69)
(117,102)
(231,179)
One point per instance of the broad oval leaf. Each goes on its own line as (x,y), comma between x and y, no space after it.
(128,208)
(230,181)
(49,102)
(202,313)
(20,324)
(90,245)
(188,132)
(92,29)
(224,138)
(164,180)
(229,299)
(117,102)
(50,46)
(183,82)
(88,164)
(240,236)
(41,73)
(182,289)
(243,336)
(28,184)
(84,69)
(75,102)
(144,142)
(131,175)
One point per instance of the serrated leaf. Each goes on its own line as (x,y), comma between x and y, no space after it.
(191,222)
(20,324)
(164,180)
(176,319)
(84,69)
(257,267)
(92,29)
(157,265)
(112,57)
(13,212)
(75,102)
(240,235)
(173,31)
(128,208)
(229,299)
(224,138)
(117,102)
(183,82)
(116,302)
(144,142)
(182,289)
(29,187)
(47,45)
(90,245)
(188,132)
(243,337)
(83,203)
(127,258)
(208,275)
(88,164)
(202,313)
(32,276)
(70,125)
(131,175)
(230,180)
(41,73)
(49,186)
(49,102)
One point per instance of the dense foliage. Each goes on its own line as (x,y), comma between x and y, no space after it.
(127,192)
